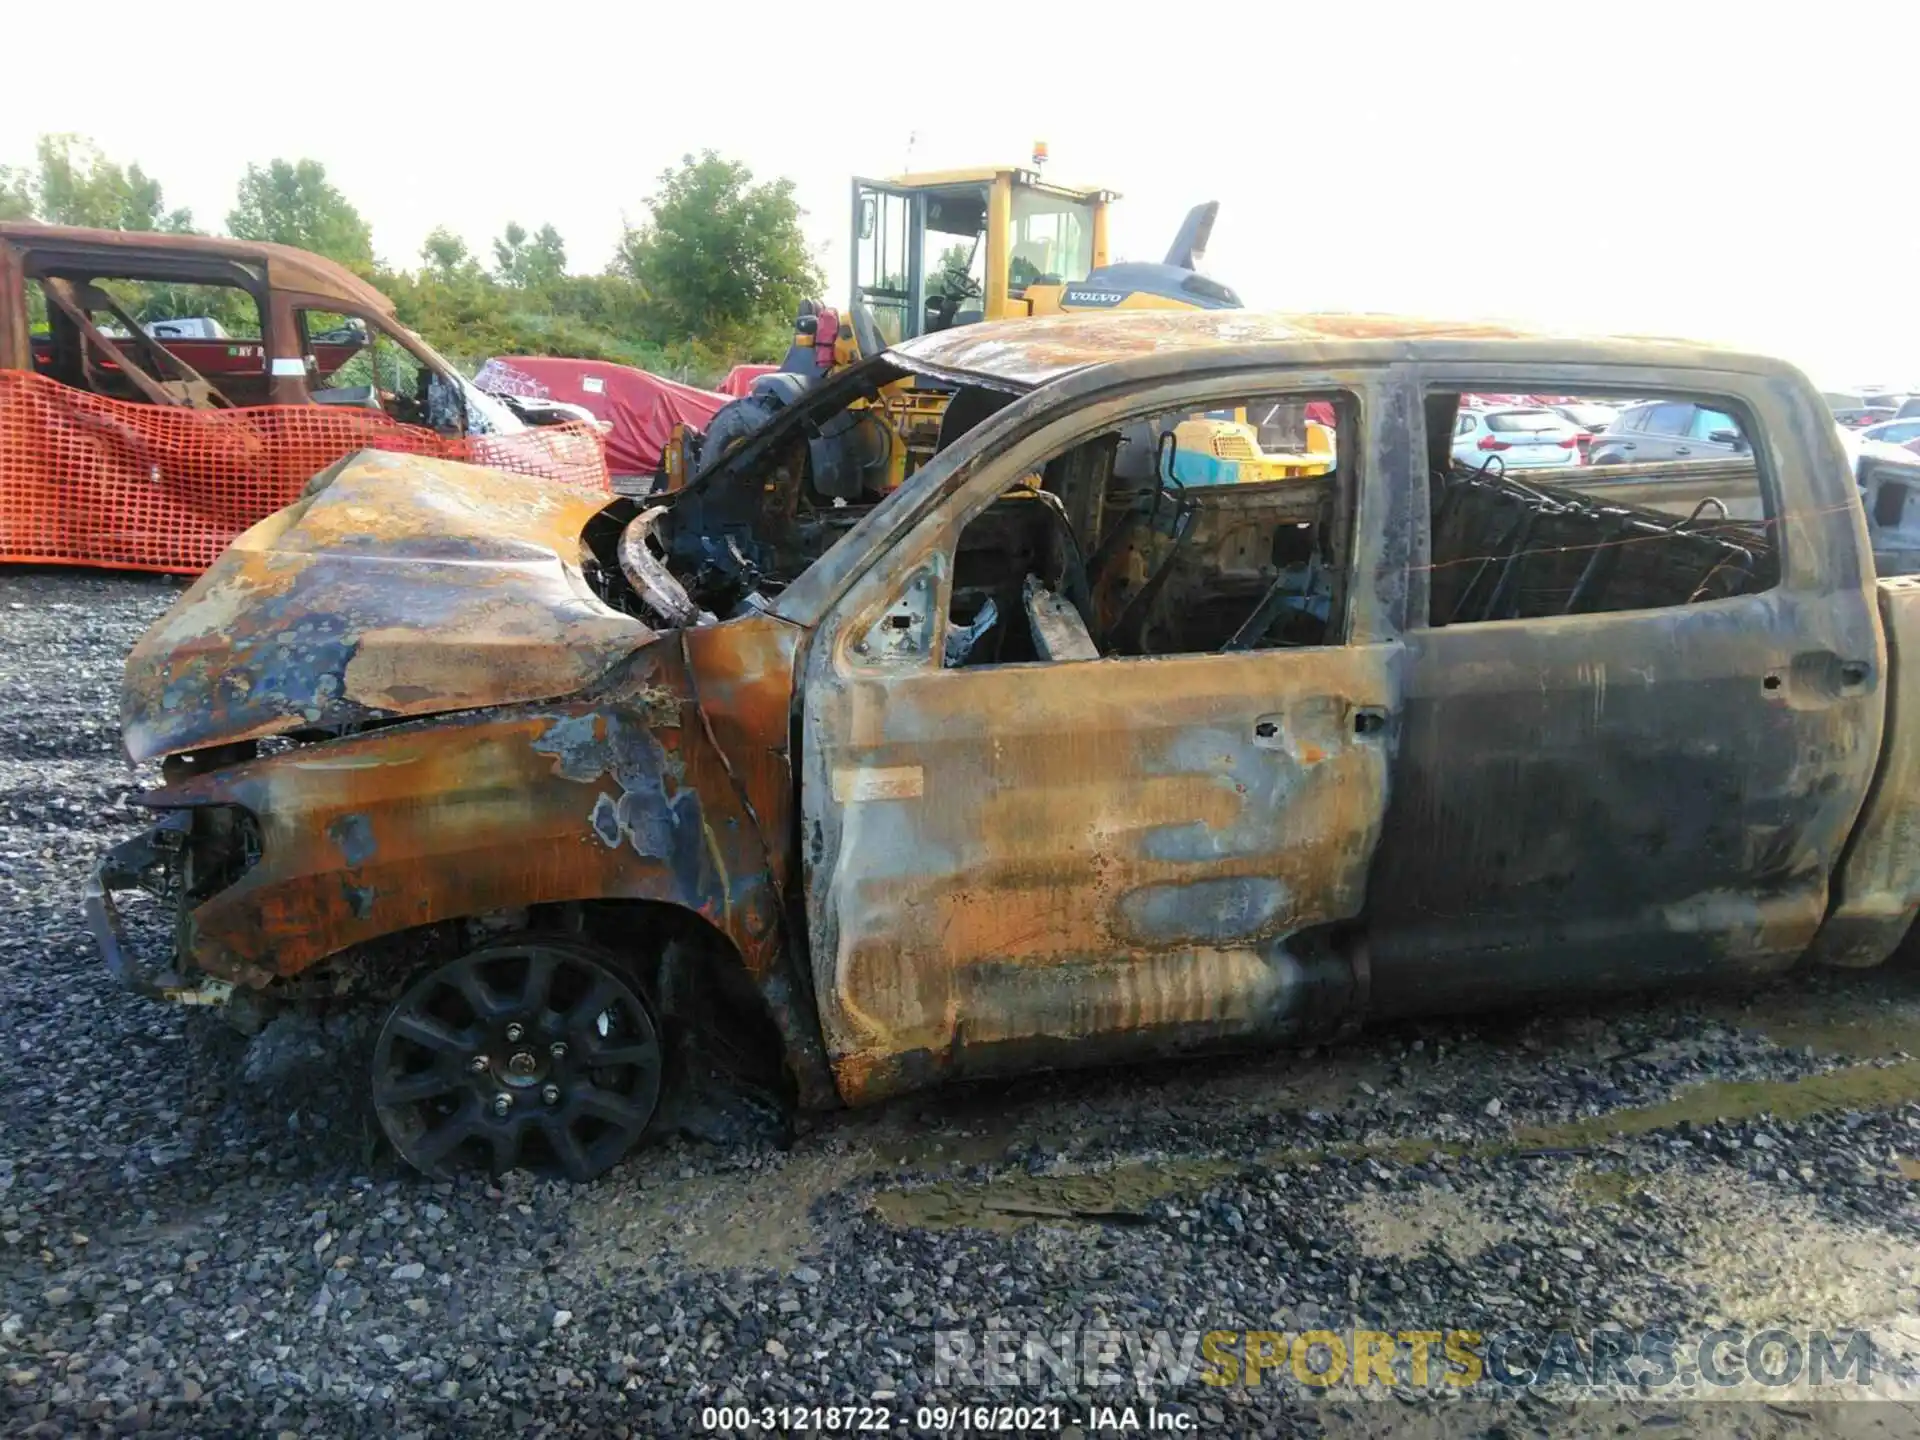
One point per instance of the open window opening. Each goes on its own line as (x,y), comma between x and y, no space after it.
(1181,533)
(151,340)
(1549,504)
(354,362)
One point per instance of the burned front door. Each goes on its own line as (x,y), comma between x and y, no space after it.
(1079,859)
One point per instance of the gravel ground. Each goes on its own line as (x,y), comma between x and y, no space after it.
(198,1236)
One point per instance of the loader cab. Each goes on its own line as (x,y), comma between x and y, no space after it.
(936,250)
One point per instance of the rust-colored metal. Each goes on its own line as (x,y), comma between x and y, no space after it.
(1032,352)
(629,797)
(930,869)
(284,267)
(1022,861)
(400,586)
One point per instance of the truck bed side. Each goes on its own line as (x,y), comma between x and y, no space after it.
(1877,888)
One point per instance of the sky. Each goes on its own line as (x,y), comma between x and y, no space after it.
(1733,173)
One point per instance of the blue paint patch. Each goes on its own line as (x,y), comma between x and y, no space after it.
(657,826)
(650,820)
(353,834)
(1192,842)
(1260,781)
(1206,912)
(891,840)
(298,671)
(606,821)
(574,741)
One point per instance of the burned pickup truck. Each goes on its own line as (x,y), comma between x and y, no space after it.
(1068,748)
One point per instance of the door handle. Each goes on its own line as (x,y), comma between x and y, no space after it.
(1270,731)
(1819,675)
(1682,450)
(1629,445)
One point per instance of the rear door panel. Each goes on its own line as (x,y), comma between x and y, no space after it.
(1596,800)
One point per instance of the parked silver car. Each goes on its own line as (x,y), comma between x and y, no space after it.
(1518,436)
(1657,430)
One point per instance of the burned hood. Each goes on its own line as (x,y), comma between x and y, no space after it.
(398,585)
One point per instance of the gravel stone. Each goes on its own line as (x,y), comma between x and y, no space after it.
(203,1234)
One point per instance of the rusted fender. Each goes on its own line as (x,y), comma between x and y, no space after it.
(628,795)
(399,585)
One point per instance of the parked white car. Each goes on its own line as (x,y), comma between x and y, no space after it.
(1518,436)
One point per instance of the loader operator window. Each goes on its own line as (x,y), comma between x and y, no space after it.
(1182,533)
(954,256)
(1549,504)
(881,256)
(1052,240)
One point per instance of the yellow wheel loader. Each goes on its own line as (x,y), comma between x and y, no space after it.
(936,250)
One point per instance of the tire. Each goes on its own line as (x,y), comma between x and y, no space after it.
(536,1051)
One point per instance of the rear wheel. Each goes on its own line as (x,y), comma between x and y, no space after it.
(530,1052)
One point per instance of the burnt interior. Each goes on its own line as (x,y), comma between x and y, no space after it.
(1153,565)
(1150,565)
(1507,549)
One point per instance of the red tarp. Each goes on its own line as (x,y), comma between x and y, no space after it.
(741,377)
(641,408)
(85,480)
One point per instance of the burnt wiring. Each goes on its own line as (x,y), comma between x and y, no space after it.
(1131,623)
(1499,580)
(1657,532)
(1073,581)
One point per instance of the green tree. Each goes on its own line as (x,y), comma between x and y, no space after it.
(448,259)
(16,194)
(74,184)
(721,257)
(527,262)
(293,203)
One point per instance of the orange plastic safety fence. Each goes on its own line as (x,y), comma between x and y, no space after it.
(85,480)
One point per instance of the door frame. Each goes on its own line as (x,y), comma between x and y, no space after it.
(914,321)
(915,557)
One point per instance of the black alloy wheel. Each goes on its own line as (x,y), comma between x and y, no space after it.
(530,1052)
